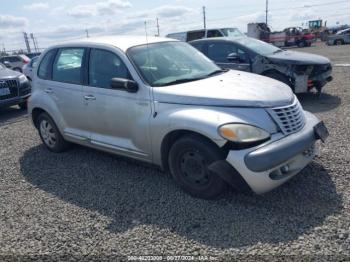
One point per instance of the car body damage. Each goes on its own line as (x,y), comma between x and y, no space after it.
(301,71)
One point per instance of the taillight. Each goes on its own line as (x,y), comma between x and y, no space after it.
(25,61)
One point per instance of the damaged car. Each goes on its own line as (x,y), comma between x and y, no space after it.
(301,71)
(162,101)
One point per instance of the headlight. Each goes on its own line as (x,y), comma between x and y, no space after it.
(22,78)
(243,133)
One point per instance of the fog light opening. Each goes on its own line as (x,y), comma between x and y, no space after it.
(284,169)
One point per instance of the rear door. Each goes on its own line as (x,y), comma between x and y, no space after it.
(65,89)
(228,55)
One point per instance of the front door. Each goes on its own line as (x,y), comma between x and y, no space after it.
(119,120)
(228,55)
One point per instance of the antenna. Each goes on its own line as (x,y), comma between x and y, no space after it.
(267,10)
(204,18)
(158,34)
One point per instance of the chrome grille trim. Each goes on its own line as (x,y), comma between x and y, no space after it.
(290,119)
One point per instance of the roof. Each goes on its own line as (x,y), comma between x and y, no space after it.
(225,38)
(122,42)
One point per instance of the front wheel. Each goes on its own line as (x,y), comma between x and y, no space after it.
(50,134)
(189,159)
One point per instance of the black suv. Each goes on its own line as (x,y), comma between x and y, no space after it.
(14,88)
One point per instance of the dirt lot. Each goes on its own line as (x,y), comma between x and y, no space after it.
(87,204)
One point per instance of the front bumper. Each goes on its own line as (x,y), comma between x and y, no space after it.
(267,166)
(22,94)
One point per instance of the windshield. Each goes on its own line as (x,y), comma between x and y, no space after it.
(232,32)
(258,46)
(168,63)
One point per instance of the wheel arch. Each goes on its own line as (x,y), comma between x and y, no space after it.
(36,112)
(174,135)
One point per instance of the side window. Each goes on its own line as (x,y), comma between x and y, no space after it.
(195,35)
(103,66)
(243,56)
(67,67)
(199,46)
(214,33)
(218,52)
(45,67)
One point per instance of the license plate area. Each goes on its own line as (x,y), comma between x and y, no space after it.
(321,131)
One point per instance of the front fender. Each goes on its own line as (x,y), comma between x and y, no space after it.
(202,120)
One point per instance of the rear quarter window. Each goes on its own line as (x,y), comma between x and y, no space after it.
(45,67)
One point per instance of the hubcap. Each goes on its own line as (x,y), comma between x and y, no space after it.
(48,134)
(194,169)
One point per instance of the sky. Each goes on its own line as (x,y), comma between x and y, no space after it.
(54,21)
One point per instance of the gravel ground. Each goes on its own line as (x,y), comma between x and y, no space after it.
(85,204)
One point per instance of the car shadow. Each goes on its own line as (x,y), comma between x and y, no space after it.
(133,194)
(8,114)
(317,104)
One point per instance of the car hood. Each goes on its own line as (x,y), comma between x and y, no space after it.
(233,88)
(7,73)
(298,58)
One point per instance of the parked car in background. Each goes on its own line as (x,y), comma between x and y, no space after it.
(301,71)
(162,101)
(340,38)
(206,33)
(28,68)
(14,88)
(15,62)
(291,36)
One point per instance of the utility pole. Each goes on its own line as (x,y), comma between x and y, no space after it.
(87,33)
(33,38)
(204,19)
(26,41)
(158,33)
(267,10)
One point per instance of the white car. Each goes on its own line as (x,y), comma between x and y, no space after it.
(28,68)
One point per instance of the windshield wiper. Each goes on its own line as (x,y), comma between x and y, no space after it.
(278,51)
(216,72)
(180,81)
(184,80)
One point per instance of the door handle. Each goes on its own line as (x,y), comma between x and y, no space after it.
(89,97)
(48,90)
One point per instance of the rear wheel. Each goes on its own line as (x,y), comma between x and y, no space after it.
(189,159)
(338,42)
(50,134)
(302,44)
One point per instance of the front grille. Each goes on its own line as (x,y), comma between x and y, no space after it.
(289,118)
(10,84)
(320,69)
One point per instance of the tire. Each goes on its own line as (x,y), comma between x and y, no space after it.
(189,158)
(302,44)
(50,134)
(23,105)
(338,42)
(280,77)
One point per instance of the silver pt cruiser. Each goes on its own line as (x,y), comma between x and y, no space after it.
(162,101)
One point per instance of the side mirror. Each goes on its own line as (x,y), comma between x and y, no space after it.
(233,57)
(7,64)
(124,84)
